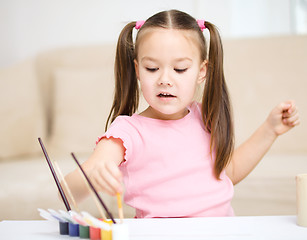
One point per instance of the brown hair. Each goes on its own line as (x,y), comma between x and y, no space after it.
(216,107)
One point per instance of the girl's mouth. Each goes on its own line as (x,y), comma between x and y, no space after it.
(166,95)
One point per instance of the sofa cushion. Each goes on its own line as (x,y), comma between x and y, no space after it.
(81,107)
(22,119)
(73,57)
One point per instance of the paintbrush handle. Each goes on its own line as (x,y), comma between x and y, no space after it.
(120,207)
(66,187)
(93,188)
(55,176)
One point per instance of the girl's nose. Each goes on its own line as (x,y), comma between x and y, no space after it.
(165,80)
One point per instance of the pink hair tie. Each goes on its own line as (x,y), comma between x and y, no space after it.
(139,24)
(201,24)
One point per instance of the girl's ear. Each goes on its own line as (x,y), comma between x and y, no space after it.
(136,66)
(203,71)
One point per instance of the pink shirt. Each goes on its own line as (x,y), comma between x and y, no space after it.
(168,170)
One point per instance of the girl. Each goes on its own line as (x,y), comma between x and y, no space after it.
(176,158)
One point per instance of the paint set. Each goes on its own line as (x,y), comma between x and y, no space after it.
(83,224)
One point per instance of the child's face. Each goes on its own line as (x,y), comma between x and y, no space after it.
(169,69)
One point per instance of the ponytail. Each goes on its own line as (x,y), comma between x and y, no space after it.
(216,107)
(126,96)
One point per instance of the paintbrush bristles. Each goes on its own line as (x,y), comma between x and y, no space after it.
(93,188)
(55,176)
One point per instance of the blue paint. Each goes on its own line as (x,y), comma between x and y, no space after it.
(73,229)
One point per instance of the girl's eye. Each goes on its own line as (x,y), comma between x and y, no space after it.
(180,70)
(152,69)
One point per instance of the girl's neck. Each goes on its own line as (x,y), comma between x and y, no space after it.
(152,113)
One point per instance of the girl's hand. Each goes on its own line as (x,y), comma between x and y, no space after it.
(283,117)
(106,177)
(104,171)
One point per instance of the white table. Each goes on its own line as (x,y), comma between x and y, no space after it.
(264,227)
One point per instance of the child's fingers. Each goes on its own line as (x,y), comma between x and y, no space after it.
(292,120)
(285,106)
(297,122)
(291,116)
(112,177)
(106,183)
(104,180)
(292,108)
(102,185)
(290,112)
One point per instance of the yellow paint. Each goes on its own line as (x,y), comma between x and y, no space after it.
(105,234)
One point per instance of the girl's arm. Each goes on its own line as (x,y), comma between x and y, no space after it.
(101,168)
(245,158)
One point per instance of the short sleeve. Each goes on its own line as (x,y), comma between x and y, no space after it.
(121,129)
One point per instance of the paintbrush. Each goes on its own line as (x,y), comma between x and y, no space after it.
(120,207)
(93,189)
(64,198)
(62,179)
(100,209)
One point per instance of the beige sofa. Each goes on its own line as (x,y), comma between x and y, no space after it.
(64,96)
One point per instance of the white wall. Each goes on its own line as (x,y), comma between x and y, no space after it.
(30,26)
